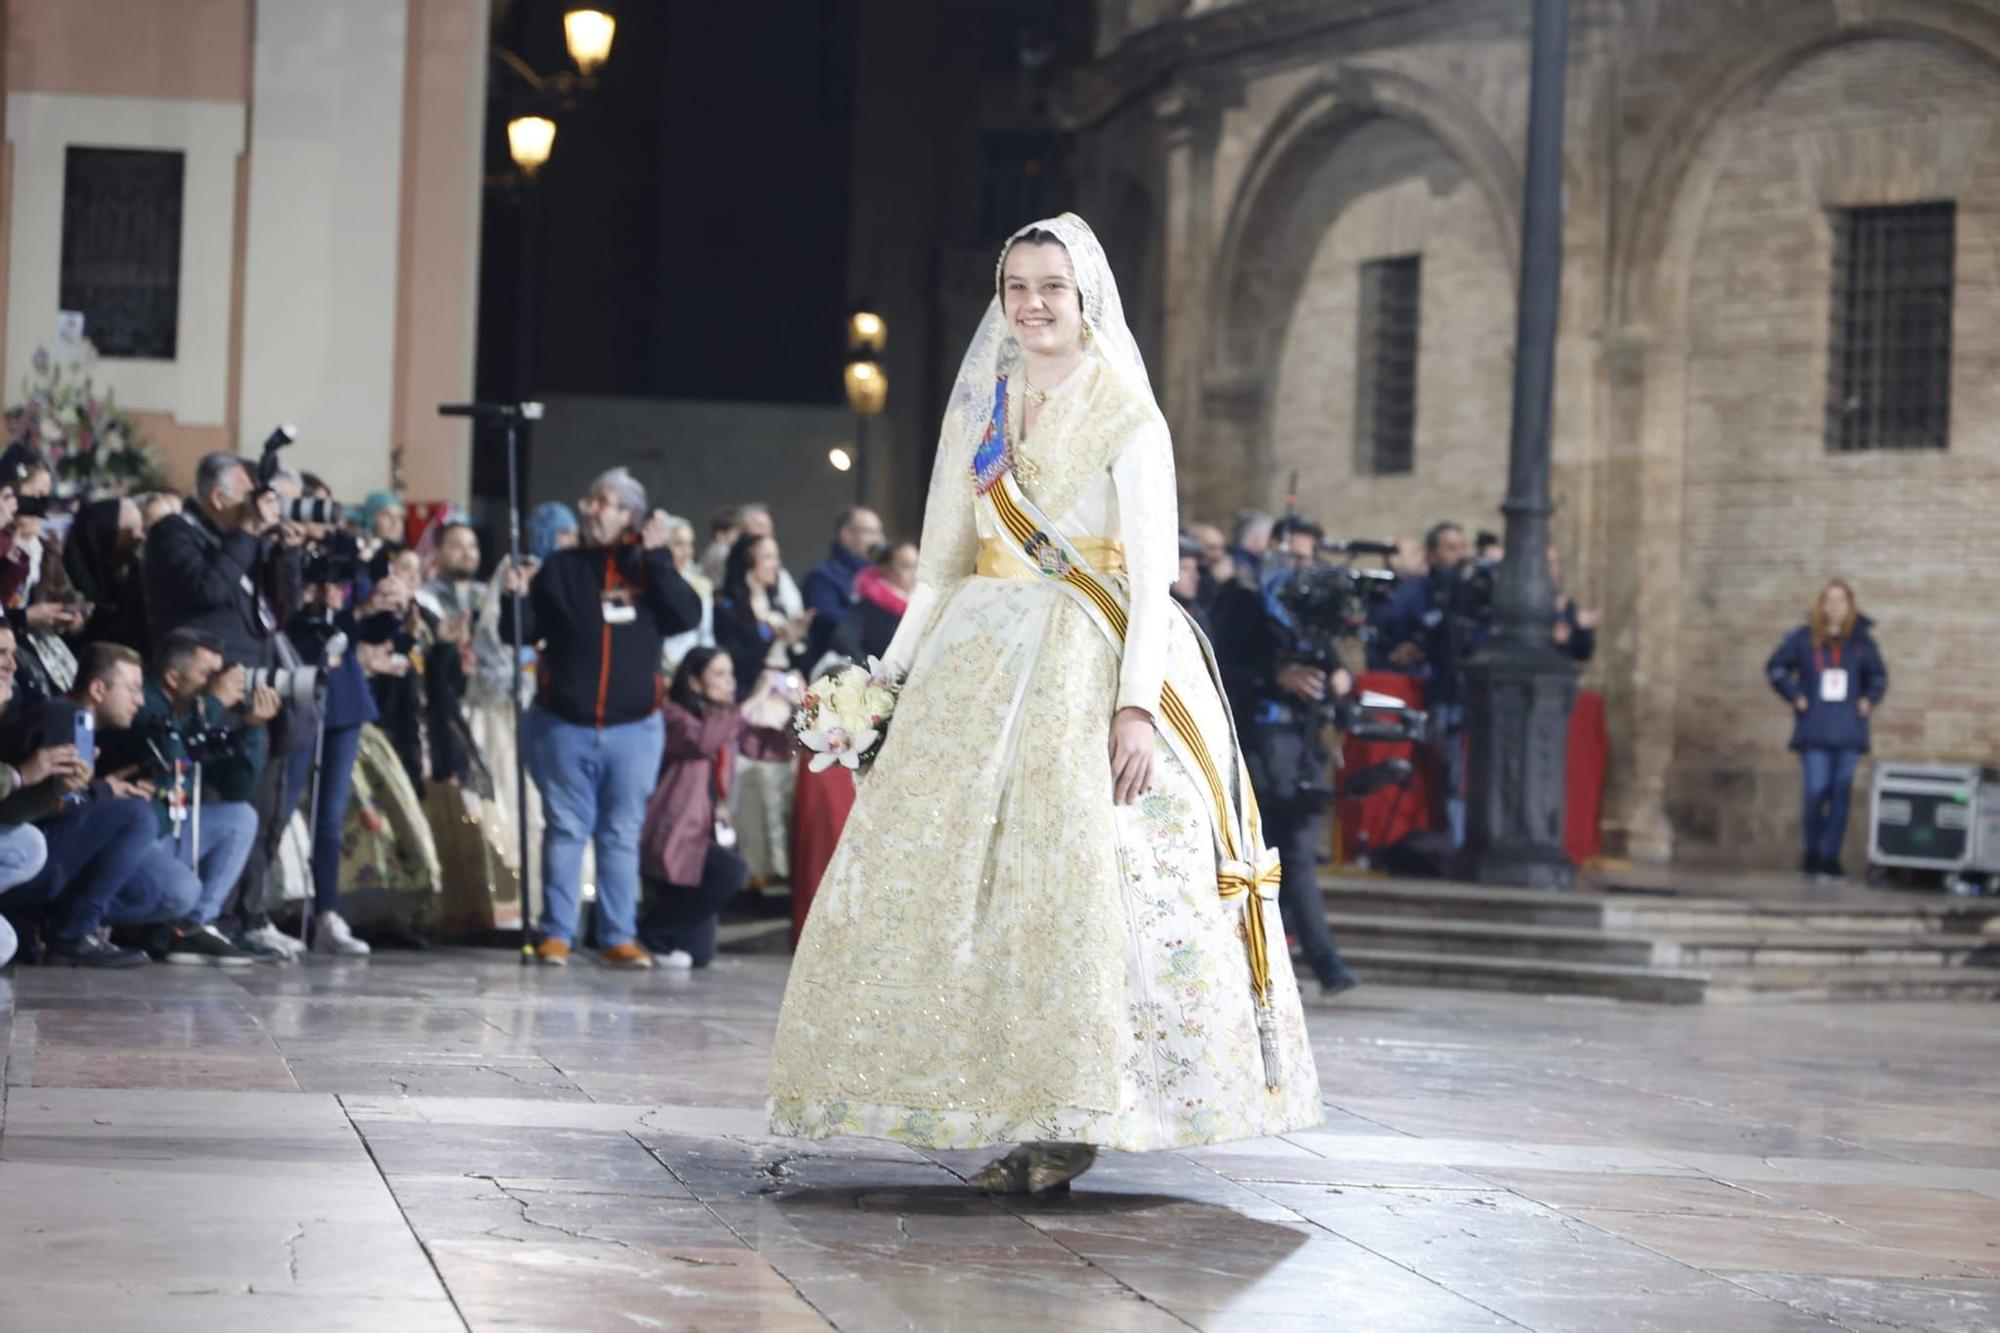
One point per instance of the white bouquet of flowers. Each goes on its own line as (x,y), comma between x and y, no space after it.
(844,717)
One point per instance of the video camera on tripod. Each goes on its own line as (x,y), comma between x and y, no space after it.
(1328,599)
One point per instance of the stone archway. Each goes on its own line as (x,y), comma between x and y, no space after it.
(1362,165)
(1697,773)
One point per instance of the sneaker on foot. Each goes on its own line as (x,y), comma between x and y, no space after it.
(1338,984)
(552,952)
(627,954)
(93,951)
(268,941)
(263,953)
(677,960)
(331,935)
(196,945)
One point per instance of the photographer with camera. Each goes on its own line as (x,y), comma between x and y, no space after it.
(600,612)
(216,565)
(333,635)
(1276,648)
(199,740)
(230,564)
(1434,625)
(104,864)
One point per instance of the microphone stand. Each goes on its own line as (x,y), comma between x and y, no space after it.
(510,416)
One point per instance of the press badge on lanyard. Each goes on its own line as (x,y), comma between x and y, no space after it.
(618,609)
(1832,679)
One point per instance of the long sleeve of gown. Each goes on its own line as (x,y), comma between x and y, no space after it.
(1149,525)
(945,556)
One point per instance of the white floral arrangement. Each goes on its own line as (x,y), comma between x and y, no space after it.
(844,717)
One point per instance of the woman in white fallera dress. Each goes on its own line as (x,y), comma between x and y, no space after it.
(1018,942)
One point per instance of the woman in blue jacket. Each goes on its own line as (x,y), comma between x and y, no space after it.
(1831,673)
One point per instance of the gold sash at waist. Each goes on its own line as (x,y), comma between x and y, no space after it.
(998,561)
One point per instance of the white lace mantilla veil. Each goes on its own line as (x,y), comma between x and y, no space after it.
(946,553)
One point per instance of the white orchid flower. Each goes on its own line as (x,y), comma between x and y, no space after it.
(837,745)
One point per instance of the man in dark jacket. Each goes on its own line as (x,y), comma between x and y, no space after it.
(829,588)
(600,613)
(1430,636)
(210,567)
(1276,700)
(105,865)
(209,825)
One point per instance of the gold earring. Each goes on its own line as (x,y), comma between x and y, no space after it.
(1087,334)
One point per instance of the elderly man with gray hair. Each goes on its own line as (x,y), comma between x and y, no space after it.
(599,613)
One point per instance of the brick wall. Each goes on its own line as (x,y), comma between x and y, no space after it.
(1405,195)
(1707,140)
(1769,513)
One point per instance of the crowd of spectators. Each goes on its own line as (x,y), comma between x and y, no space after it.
(1421,615)
(228,720)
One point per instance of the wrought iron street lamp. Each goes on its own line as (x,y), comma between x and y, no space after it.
(867,386)
(1520,692)
(530,140)
(588,33)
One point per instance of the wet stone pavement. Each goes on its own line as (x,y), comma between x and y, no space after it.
(446,1141)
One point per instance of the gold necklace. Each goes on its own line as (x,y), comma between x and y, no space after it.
(1036,397)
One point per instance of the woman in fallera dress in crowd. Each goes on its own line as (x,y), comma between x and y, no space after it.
(766,644)
(1051,921)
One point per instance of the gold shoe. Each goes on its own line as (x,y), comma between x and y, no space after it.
(1003,1175)
(1052,1166)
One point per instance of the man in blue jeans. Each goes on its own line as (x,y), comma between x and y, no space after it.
(207,829)
(599,612)
(23,850)
(105,865)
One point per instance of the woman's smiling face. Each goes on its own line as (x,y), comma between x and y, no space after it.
(1039,295)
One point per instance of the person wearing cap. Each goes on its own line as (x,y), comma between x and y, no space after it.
(599,613)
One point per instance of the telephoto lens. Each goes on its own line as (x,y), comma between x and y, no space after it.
(293,685)
(315,510)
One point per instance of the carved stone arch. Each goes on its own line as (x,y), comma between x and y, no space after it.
(1663,220)
(1317,119)
(1645,408)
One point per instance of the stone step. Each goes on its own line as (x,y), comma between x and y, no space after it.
(1698,950)
(1834,949)
(1403,898)
(1653,914)
(1490,939)
(759,935)
(1750,985)
(1534,976)
(1913,919)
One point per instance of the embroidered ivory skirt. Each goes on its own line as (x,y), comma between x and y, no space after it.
(1000,953)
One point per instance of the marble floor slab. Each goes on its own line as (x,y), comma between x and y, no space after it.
(449,1141)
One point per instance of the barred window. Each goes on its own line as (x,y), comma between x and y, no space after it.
(121,247)
(1889,362)
(1386,378)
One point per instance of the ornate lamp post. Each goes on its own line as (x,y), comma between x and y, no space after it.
(867,386)
(1519,694)
(531,138)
